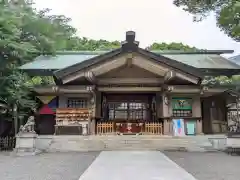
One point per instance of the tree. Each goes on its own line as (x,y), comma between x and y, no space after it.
(84,44)
(171,46)
(26,33)
(227,13)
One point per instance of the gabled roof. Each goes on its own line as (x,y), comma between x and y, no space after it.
(64,59)
(186,61)
(129,45)
(84,64)
(172,63)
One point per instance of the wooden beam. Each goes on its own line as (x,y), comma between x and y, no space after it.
(97,69)
(110,65)
(63,89)
(189,78)
(183,89)
(73,77)
(192,89)
(173,74)
(149,66)
(169,76)
(90,76)
(107,81)
(129,89)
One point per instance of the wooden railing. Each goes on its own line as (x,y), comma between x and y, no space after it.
(105,128)
(153,128)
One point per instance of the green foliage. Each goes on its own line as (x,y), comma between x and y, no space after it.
(229,19)
(16,90)
(171,46)
(233,81)
(84,44)
(26,33)
(227,13)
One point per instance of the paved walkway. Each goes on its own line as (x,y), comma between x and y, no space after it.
(139,165)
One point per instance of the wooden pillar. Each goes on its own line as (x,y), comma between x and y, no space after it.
(93,126)
(96,111)
(98,102)
(199,127)
(167,127)
(158,105)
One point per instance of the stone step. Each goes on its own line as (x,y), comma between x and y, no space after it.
(126,138)
(81,147)
(99,143)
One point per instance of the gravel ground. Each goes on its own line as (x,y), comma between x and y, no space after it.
(208,166)
(52,166)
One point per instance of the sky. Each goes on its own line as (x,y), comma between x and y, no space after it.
(152,20)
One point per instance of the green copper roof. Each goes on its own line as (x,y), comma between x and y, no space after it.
(61,60)
(192,51)
(201,59)
(208,61)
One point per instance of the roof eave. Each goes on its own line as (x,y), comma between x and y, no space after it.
(173,63)
(76,67)
(218,52)
(39,72)
(219,72)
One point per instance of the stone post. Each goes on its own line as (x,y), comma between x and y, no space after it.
(26,144)
(26,139)
(84,128)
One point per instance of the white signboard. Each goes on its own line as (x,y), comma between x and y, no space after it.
(178,127)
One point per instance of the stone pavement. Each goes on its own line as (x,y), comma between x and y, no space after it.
(208,166)
(50,166)
(140,165)
(70,166)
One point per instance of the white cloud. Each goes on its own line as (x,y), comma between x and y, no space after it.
(153,21)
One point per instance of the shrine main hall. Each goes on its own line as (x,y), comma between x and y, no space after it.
(131,90)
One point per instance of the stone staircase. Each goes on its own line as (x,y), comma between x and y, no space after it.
(129,142)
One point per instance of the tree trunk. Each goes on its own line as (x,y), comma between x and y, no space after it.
(15,118)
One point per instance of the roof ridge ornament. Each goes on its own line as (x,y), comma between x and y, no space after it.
(130,44)
(130,36)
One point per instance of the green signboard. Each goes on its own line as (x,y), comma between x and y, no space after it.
(191,127)
(182,103)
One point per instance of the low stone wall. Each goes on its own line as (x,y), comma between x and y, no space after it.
(43,142)
(218,143)
(51,143)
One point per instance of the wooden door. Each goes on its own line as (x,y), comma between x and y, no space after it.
(128,112)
